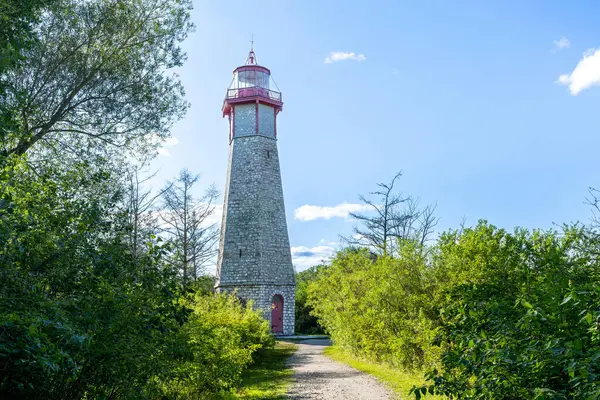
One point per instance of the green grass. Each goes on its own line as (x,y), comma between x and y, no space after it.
(399,381)
(270,377)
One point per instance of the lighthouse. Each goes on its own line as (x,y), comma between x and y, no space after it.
(254,258)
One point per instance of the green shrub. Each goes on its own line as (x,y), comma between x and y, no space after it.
(306,322)
(80,319)
(74,321)
(519,314)
(218,341)
(378,308)
(494,315)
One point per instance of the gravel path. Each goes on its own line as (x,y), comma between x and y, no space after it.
(319,377)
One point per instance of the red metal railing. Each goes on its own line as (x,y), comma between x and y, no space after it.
(253,91)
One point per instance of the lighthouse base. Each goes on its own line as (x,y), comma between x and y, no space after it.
(276,302)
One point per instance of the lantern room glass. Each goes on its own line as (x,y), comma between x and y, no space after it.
(248,78)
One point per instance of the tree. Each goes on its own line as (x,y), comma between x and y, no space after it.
(18,18)
(418,226)
(393,217)
(518,314)
(186,221)
(74,323)
(593,200)
(141,211)
(377,309)
(16,30)
(305,321)
(96,75)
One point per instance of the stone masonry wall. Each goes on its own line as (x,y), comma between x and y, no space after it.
(254,250)
(262,297)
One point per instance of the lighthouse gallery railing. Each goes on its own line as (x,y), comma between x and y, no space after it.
(253,91)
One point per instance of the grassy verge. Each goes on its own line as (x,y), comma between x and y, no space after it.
(269,378)
(399,381)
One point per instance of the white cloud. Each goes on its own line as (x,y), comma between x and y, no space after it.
(327,242)
(562,43)
(336,56)
(164,152)
(585,75)
(310,213)
(306,257)
(170,142)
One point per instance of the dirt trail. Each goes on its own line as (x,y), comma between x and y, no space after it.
(319,377)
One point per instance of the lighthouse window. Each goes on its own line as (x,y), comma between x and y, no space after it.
(240,252)
(247,79)
(268,154)
(262,79)
(265,80)
(251,78)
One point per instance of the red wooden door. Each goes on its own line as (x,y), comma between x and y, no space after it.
(277,314)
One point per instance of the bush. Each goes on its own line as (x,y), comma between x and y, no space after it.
(378,308)
(519,314)
(75,322)
(80,319)
(218,342)
(306,322)
(494,315)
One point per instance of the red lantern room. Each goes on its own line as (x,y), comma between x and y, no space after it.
(252,83)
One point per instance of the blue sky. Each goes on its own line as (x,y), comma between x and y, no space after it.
(468,101)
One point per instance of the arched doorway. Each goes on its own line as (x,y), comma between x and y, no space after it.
(277,314)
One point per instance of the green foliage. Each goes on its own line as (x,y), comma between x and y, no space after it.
(80,319)
(77,318)
(306,322)
(95,73)
(519,314)
(204,284)
(83,313)
(377,308)
(492,314)
(16,29)
(218,342)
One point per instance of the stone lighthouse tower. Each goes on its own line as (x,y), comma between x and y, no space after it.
(254,249)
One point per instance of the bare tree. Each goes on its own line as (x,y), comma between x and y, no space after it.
(427,223)
(378,230)
(592,230)
(186,221)
(141,209)
(594,201)
(392,218)
(420,223)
